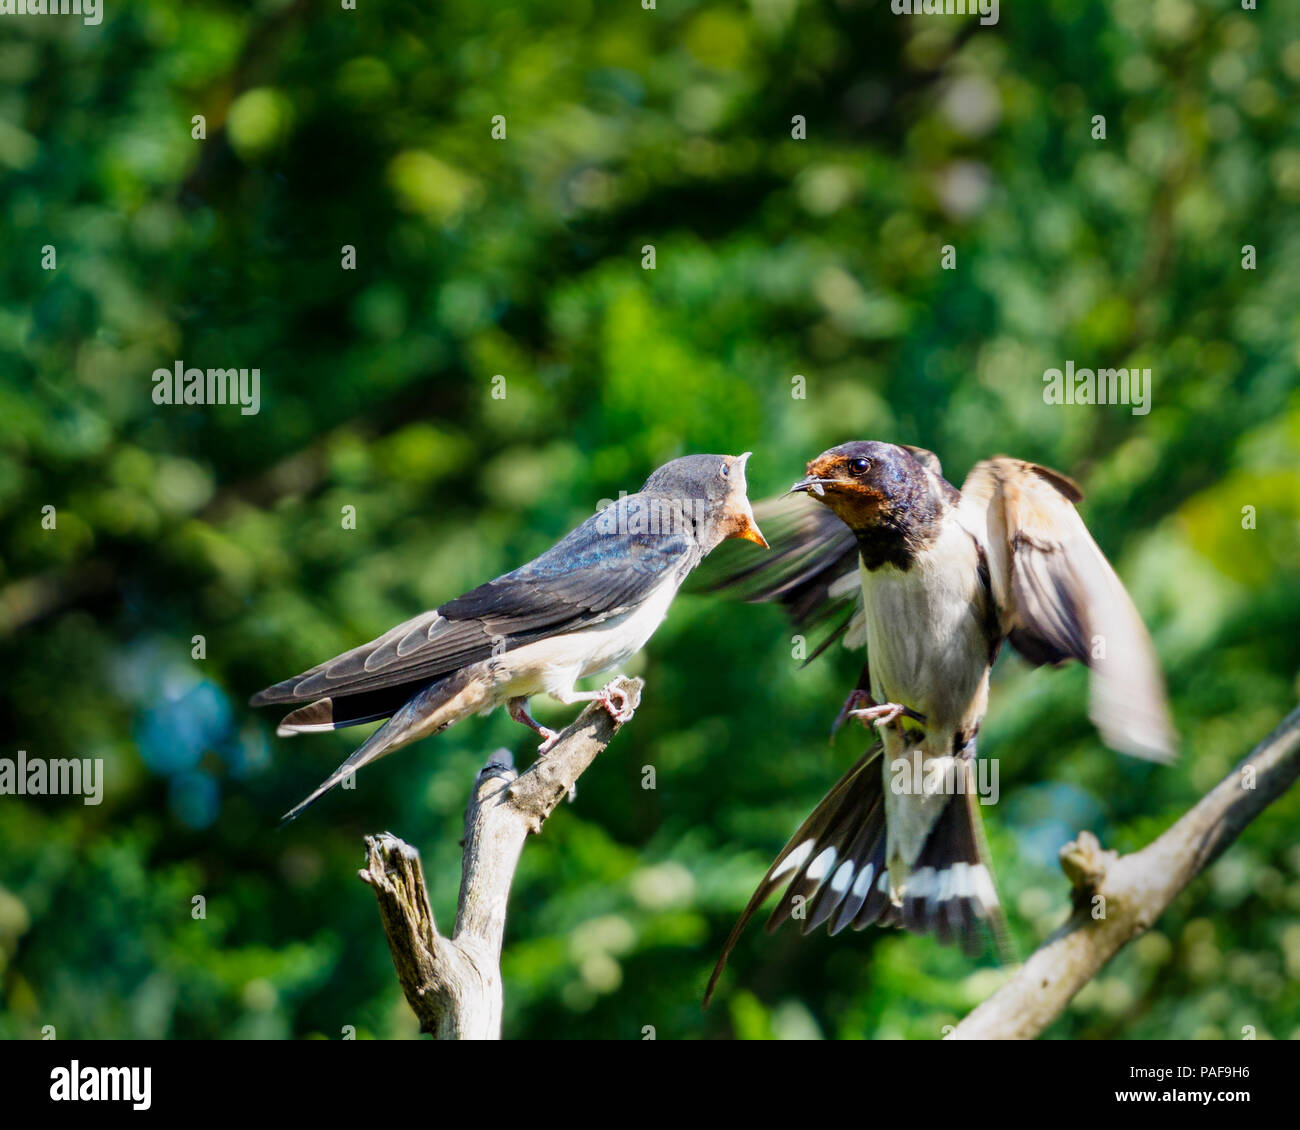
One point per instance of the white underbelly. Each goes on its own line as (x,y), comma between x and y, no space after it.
(926,647)
(557,662)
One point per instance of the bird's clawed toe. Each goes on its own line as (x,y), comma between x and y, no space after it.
(857,698)
(615,700)
(884,714)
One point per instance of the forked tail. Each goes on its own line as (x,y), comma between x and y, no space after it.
(430,711)
(835,869)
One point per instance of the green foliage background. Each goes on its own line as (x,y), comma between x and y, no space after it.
(523,257)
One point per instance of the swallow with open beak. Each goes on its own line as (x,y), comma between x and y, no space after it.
(932,580)
(584,606)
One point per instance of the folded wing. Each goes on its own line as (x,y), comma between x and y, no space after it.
(593,574)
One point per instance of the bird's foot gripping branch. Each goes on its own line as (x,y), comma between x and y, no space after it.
(454,984)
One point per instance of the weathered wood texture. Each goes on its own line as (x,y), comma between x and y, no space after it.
(1133,890)
(454,984)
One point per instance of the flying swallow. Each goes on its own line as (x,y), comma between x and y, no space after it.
(584,606)
(931,581)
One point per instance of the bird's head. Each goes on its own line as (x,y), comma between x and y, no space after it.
(713,492)
(864,483)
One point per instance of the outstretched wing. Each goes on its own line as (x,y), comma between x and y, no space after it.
(1059,599)
(811,569)
(598,571)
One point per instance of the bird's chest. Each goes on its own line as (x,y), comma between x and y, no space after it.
(927,646)
(553,664)
(619,638)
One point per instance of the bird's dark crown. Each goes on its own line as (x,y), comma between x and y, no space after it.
(883,493)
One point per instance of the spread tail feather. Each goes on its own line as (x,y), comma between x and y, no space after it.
(951,892)
(804,857)
(836,871)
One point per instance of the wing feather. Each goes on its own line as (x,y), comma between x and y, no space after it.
(1059,598)
(811,569)
(597,572)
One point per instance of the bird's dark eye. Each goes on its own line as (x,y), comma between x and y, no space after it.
(726,470)
(859,466)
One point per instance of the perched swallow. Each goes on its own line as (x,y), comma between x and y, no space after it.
(582,607)
(934,580)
